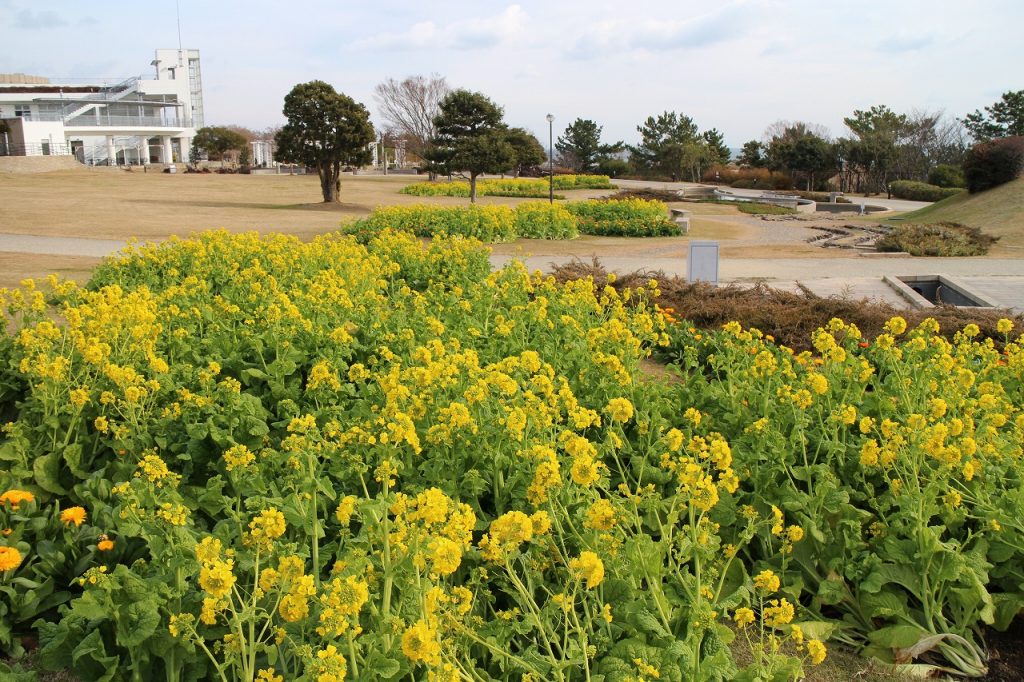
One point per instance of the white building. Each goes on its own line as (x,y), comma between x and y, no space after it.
(134,121)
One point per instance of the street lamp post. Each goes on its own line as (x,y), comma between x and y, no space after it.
(551,160)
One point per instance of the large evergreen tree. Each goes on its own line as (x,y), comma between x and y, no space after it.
(879,132)
(670,144)
(803,153)
(325,129)
(751,155)
(718,152)
(527,149)
(580,148)
(1004,118)
(471,136)
(218,140)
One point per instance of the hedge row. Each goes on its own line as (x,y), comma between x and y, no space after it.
(537,188)
(627,217)
(921,191)
(531,220)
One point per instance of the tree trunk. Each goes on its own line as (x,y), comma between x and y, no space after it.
(330,181)
(472,188)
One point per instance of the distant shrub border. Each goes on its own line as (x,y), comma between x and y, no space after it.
(921,191)
(534,188)
(531,220)
(748,178)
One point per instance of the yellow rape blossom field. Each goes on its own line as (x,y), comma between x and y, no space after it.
(245,457)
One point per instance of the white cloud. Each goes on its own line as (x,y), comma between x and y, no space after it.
(43,19)
(615,37)
(906,42)
(467,34)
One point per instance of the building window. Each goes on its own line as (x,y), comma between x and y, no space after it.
(23,111)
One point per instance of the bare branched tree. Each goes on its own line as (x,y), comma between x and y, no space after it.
(409,107)
(784,129)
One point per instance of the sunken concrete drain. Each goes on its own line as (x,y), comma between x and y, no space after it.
(928,291)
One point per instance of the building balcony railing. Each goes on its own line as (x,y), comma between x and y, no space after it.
(115,121)
(44,149)
(91,119)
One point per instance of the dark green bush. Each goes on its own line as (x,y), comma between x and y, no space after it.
(947,175)
(990,164)
(921,191)
(613,168)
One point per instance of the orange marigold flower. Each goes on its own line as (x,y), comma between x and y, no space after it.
(105,545)
(16,497)
(10,558)
(73,515)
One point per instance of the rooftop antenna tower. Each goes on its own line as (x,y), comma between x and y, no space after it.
(177,7)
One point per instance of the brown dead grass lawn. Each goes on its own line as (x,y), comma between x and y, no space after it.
(101,203)
(113,204)
(15,267)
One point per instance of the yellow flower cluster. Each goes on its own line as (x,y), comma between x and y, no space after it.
(588,568)
(702,466)
(266,527)
(340,604)
(420,644)
(238,457)
(434,527)
(509,531)
(329,665)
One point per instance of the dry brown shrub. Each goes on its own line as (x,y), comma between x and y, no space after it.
(789,317)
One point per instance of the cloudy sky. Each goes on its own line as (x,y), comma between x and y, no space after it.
(735,65)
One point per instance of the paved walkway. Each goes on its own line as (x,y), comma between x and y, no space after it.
(59,246)
(891,204)
(733,269)
(1001,280)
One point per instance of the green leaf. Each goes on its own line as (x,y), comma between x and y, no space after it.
(73,456)
(818,629)
(91,660)
(382,667)
(897,636)
(46,469)
(884,604)
(649,623)
(832,590)
(137,623)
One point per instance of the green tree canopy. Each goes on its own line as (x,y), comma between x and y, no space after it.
(527,149)
(218,140)
(577,146)
(718,152)
(471,137)
(803,153)
(325,129)
(1004,118)
(580,148)
(671,145)
(878,133)
(752,155)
